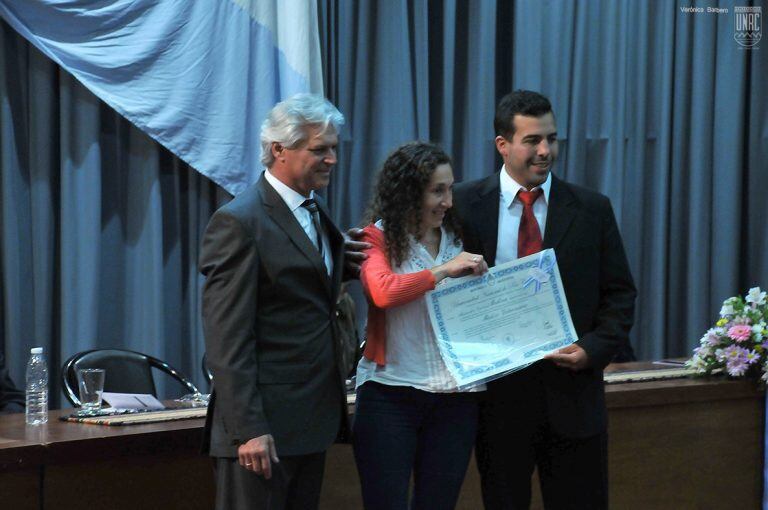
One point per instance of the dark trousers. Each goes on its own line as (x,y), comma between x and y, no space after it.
(295,484)
(399,431)
(513,440)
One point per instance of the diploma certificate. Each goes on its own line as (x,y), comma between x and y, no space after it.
(490,325)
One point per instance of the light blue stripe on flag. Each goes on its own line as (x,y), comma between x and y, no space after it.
(198,76)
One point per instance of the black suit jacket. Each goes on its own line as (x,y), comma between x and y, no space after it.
(268,317)
(582,229)
(11,398)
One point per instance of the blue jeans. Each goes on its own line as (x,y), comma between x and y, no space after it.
(399,430)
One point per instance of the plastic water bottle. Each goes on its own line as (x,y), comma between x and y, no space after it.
(37,388)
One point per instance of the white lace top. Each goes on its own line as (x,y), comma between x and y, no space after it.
(413,358)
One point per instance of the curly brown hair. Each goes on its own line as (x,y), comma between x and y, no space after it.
(399,193)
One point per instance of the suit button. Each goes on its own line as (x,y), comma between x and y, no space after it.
(338,313)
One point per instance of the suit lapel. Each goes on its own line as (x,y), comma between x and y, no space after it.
(560,213)
(486,216)
(284,218)
(336,240)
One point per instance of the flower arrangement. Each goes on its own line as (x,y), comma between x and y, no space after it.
(738,344)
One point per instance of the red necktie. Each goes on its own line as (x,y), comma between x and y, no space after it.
(529,235)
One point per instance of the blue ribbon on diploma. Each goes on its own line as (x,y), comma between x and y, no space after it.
(539,274)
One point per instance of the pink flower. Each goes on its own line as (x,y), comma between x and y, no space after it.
(740,333)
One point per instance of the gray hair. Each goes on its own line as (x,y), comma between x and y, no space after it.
(286,123)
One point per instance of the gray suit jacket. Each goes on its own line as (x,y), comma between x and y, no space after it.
(268,317)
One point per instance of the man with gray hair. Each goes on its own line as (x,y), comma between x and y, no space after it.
(273,262)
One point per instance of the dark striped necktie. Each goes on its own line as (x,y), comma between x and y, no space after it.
(311,206)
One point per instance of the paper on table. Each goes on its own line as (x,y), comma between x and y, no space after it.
(132,401)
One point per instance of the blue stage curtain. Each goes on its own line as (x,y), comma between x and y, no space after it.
(661,110)
(100,226)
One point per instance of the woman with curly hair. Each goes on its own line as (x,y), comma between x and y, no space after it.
(410,417)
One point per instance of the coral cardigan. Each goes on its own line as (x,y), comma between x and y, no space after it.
(384,289)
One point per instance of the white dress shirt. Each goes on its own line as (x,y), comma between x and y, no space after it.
(511,211)
(293,200)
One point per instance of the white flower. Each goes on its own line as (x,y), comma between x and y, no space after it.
(756,296)
(696,364)
(727,309)
(741,320)
(710,338)
(757,331)
(765,374)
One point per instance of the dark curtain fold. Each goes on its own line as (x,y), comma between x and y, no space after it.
(658,109)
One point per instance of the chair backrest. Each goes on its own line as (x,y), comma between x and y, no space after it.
(126,372)
(207,374)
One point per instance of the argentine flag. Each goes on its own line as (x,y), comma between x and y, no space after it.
(198,76)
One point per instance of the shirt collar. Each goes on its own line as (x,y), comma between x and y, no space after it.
(292,198)
(510,187)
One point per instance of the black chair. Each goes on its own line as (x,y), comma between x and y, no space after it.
(207,374)
(126,372)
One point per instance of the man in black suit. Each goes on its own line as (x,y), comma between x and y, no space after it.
(552,414)
(273,262)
